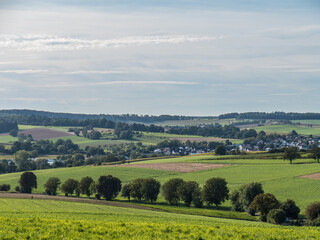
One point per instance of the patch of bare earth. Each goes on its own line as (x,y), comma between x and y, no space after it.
(315,176)
(208,139)
(176,167)
(44,133)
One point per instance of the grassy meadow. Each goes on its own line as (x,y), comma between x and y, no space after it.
(277,176)
(48,219)
(284,129)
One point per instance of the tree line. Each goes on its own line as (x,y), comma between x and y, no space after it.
(272,115)
(7,126)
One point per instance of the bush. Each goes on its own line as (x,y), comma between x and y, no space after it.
(290,208)
(276,216)
(5,187)
(313,211)
(170,190)
(215,191)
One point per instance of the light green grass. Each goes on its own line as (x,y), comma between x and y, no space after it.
(284,129)
(46,219)
(7,139)
(277,176)
(307,121)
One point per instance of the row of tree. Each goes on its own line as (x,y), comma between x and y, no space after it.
(272,115)
(7,126)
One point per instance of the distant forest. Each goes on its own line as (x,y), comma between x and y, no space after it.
(273,116)
(128,118)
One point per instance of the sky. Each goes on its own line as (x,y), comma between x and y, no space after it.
(177,57)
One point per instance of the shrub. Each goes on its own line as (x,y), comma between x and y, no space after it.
(5,187)
(276,216)
(215,191)
(290,208)
(170,190)
(313,211)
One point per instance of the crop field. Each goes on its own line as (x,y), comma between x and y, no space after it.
(47,219)
(284,129)
(317,122)
(277,176)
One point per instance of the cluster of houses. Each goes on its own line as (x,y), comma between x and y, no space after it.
(300,142)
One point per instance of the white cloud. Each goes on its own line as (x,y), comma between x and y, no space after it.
(23,71)
(53,43)
(63,85)
(287,94)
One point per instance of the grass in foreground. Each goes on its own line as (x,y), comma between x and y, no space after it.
(45,219)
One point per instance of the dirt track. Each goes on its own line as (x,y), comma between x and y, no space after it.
(75,199)
(315,176)
(176,167)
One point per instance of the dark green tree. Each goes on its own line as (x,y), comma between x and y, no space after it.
(84,185)
(170,190)
(52,185)
(248,192)
(108,187)
(150,189)
(23,160)
(135,188)
(186,191)
(264,203)
(70,186)
(215,191)
(290,154)
(126,190)
(220,150)
(291,209)
(315,153)
(28,181)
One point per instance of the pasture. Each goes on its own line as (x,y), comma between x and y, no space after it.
(285,129)
(277,176)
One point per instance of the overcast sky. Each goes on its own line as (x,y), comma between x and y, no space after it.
(179,57)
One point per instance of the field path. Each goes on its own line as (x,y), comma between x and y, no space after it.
(75,199)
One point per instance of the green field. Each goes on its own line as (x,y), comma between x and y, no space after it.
(284,129)
(277,176)
(196,122)
(47,219)
(307,121)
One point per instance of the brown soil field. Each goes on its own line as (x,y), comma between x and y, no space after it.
(176,167)
(315,176)
(207,139)
(44,133)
